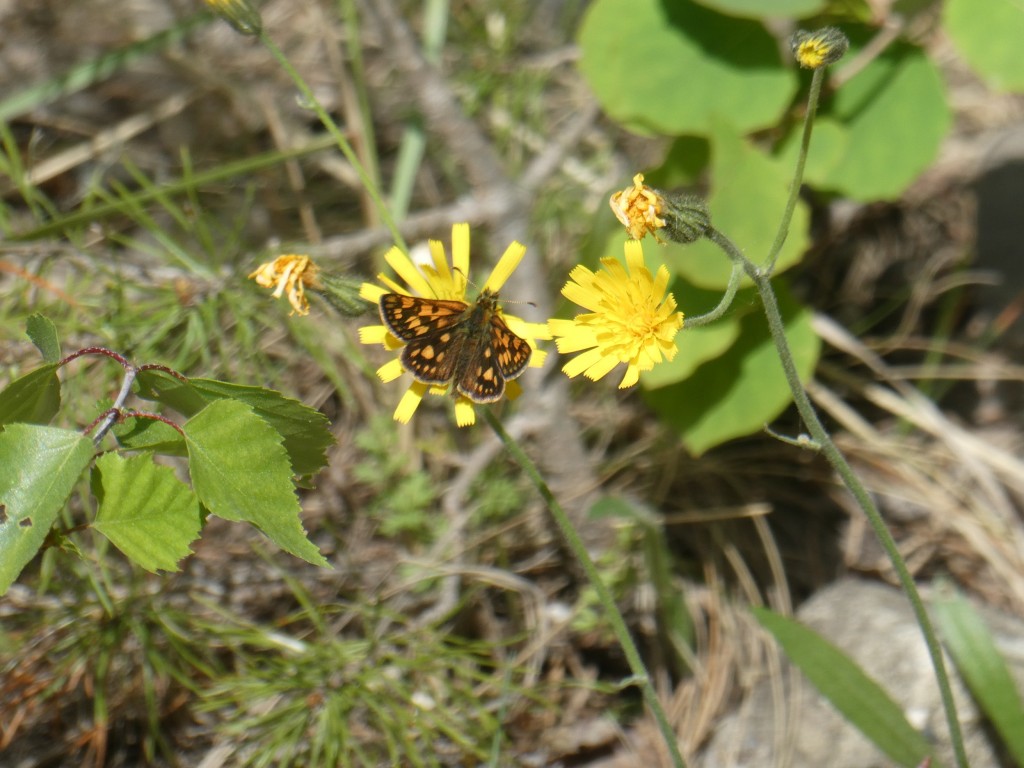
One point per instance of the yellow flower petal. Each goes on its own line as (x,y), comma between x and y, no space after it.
(410,402)
(632,319)
(505,267)
(391,370)
(465,415)
(409,272)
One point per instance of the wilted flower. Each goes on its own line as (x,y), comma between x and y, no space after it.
(642,209)
(292,273)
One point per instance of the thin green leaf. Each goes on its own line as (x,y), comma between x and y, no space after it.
(240,471)
(983,669)
(34,398)
(859,698)
(43,333)
(145,511)
(39,467)
(90,72)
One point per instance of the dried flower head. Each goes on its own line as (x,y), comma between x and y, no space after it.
(292,273)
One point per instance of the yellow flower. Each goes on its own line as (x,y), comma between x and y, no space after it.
(639,208)
(292,273)
(240,14)
(632,319)
(438,280)
(814,50)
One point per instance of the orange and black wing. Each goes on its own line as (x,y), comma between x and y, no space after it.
(511,352)
(412,317)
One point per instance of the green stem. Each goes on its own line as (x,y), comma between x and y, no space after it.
(612,613)
(794,190)
(727,297)
(343,143)
(835,457)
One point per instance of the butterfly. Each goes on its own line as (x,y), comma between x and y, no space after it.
(453,342)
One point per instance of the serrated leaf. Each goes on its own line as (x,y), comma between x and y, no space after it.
(32,399)
(739,392)
(39,467)
(766,9)
(240,471)
(987,33)
(859,698)
(674,68)
(139,434)
(749,193)
(145,511)
(896,115)
(983,669)
(305,430)
(43,333)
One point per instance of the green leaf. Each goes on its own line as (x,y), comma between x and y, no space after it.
(896,115)
(39,467)
(240,471)
(305,430)
(674,68)
(749,194)
(766,9)
(139,434)
(43,333)
(859,698)
(744,389)
(983,669)
(987,33)
(145,511)
(34,398)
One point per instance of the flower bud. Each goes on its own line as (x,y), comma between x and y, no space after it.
(686,218)
(814,50)
(240,14)
(342,293)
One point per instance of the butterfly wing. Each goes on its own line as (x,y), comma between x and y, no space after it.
(413,317)
(511,352)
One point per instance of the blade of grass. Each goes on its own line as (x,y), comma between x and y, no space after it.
(87,73)
(974,651)
(859,698)
(97,213)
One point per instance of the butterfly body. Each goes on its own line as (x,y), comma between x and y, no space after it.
(468,346)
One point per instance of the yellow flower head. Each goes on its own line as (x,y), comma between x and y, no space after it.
(292,273)
(639,208)
(438,280)
(240,14)
(632,318)
(814,50)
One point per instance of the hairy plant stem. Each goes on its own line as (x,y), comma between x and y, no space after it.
(343,144)
(850,479)
(611,610)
